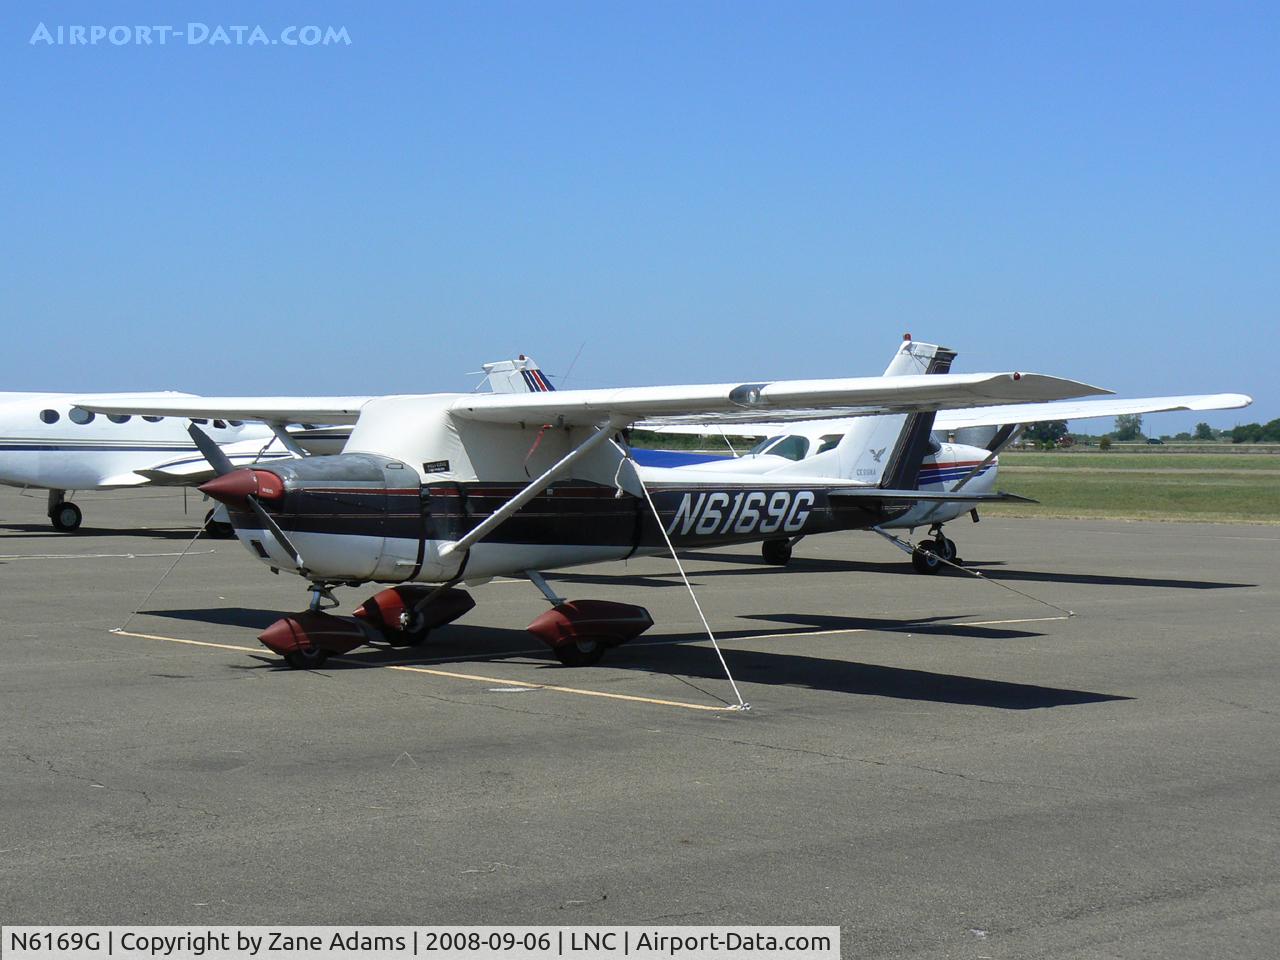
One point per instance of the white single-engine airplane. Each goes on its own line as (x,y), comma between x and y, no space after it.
(947,466)
(48,443)
(432,491)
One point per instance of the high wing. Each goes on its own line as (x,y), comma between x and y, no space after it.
(1085,409)
(326,410)
(777,400)
(721,403)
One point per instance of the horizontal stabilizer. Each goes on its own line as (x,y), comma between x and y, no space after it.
(875,493)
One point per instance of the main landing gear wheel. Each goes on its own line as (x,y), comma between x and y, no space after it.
(580,653)
(929,555)
(776,552)
(411,633)
(945,548)
(306,659)
(66,517)
(216,529)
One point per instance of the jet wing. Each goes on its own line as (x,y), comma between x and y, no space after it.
(777,400)
(1085,409)
(326,410)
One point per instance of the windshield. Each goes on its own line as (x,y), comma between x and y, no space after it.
(763,445)
(793,447)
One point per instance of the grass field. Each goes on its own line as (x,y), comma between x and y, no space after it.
(1169,486)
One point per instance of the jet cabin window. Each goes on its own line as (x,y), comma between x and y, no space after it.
(119,417)
(80,416)
(49,416)
(153,419)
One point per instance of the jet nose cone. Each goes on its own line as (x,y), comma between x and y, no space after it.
(232,488)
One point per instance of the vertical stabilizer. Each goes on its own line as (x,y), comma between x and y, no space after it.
(888,449)
(520,375)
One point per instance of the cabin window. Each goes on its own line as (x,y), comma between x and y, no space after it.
(119,417)
(49,416)
(220,424)
(830,442)
(199,421)
(793,447)
(80,416)
(153,419)
(236,423)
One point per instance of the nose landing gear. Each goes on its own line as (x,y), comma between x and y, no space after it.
(216,527)
(929,555)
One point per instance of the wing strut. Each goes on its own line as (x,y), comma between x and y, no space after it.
(287,441)
(1004,436)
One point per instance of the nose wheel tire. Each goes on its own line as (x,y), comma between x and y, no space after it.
(776,552)
(929,555)
(66,517)
(580,653)
(306,659)
(925,557)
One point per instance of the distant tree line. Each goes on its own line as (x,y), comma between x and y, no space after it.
(1268,432)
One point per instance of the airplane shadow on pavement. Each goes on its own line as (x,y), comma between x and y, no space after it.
(851,677)
(799,564)
(44,532)
(686,657)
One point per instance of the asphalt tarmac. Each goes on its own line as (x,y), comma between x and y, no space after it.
(941,766)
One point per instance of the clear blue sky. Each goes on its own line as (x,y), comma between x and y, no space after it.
(695,191)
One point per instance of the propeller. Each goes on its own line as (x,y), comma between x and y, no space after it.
(243,485)
(210,450)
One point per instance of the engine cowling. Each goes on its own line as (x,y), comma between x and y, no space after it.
(351,517)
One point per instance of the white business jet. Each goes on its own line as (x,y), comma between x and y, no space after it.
(48,443)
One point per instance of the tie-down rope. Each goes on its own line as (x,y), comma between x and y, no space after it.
(741,704)
(185,550)
(163,577)
(909,548)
